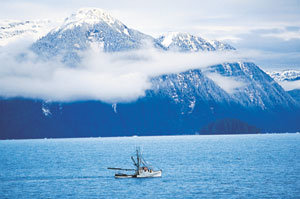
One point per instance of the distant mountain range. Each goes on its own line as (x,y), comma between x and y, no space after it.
(288,76)
(193,101)
(285,75)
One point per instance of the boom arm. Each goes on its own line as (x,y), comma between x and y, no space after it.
(120,169)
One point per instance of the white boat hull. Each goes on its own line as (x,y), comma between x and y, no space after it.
(142,174)
(147,174)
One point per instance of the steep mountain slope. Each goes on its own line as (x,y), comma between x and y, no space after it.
(86,27)
(259,90)
(188,88)
(295,94)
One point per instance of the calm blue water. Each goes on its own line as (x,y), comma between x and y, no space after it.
(225,166)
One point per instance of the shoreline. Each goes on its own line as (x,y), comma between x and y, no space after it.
(151,136)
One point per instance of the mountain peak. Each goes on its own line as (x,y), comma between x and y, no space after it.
(90,16)
(86,28)
(170,37)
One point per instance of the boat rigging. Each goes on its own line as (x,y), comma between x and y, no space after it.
(142,170)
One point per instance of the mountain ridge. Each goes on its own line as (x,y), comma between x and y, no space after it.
(186,42)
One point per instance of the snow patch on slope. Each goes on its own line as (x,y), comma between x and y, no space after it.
(45,109)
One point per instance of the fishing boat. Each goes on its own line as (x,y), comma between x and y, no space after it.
(142,170)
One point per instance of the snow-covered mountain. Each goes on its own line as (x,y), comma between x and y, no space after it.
(85,28)
(12,30)
(95,27)
(285,75)
(257,89)
(186,42)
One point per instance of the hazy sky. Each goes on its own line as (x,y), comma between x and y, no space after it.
(269,30)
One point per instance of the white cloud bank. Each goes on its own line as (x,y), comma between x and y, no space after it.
(109,77)
(290,85)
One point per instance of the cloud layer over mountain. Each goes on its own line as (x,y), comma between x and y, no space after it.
(109,77)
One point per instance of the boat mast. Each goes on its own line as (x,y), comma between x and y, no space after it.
(138,159)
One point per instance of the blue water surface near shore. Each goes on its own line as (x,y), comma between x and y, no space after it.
(219,166)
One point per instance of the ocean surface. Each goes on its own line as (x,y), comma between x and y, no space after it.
(217,166)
